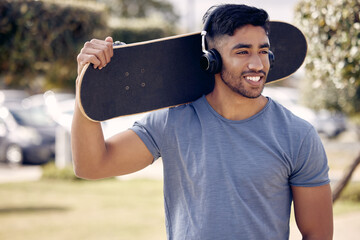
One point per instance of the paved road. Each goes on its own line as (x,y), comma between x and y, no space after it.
(19,173)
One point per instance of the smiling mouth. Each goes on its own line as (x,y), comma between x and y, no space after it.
(253,78)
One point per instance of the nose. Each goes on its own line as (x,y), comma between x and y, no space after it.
(255,63)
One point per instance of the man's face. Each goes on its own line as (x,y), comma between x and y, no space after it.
(245,60)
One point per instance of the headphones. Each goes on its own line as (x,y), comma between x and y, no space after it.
(211,61)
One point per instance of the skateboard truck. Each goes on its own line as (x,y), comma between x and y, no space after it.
(118,43)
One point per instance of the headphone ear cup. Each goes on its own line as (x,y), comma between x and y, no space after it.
(271,59)
(211,61)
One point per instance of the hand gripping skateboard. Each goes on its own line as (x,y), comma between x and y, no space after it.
(166,72)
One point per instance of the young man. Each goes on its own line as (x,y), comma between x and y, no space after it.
(233,160)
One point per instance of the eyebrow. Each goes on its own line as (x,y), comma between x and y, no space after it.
(242,45)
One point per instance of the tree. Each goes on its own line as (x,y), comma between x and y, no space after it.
(332,79)
(332,28)
(41,40)
(143,9)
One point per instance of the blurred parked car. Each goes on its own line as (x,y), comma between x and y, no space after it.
(9,96)
(27,135)
(110,127)
(50,101)
(327,123)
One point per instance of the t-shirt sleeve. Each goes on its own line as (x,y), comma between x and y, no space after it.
(151,129)
(311,166)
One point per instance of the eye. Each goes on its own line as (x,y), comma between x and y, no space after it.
(264,51)
(242,52)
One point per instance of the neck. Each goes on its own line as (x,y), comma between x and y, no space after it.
(234,106)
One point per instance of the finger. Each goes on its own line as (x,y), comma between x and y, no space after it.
(110,40)
(106,47)
(99,51)
(85,58)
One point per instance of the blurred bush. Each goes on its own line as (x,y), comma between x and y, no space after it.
(129,35)
(39,41)
(332,66)
(51,172)
(143,9)
(352,192)
(141,29)
(43,39)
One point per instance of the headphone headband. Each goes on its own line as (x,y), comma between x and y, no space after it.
(205,28)
(203,43)
(208,19)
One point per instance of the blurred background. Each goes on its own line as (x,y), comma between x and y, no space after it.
(40,198)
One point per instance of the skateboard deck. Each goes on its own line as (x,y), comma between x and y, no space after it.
(166,72)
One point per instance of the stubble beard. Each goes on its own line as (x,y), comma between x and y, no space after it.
(236,84)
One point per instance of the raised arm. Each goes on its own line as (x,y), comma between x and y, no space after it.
(94,157)
(313,212)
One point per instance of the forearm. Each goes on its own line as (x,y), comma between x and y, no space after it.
(93,157)
(88,145)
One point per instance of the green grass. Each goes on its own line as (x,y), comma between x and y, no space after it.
(349,200)
(107,209)
(343,207)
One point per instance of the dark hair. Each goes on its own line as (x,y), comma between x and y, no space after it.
(226,18)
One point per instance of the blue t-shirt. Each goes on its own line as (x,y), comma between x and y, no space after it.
(227,179)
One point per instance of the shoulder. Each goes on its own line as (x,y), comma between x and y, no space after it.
(154,119)
(288,124)
(187,111)
(305,147)
(286,116)
(167,117)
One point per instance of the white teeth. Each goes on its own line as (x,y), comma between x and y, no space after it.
(254,79)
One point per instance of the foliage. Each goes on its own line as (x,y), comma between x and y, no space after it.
(332,29)
(38,38)
(143,9)
(51,172)
(129,35)
(351,193)
(130,31)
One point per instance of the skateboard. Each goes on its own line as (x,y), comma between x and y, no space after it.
(166,72)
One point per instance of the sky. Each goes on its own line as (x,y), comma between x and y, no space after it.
(191,11)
